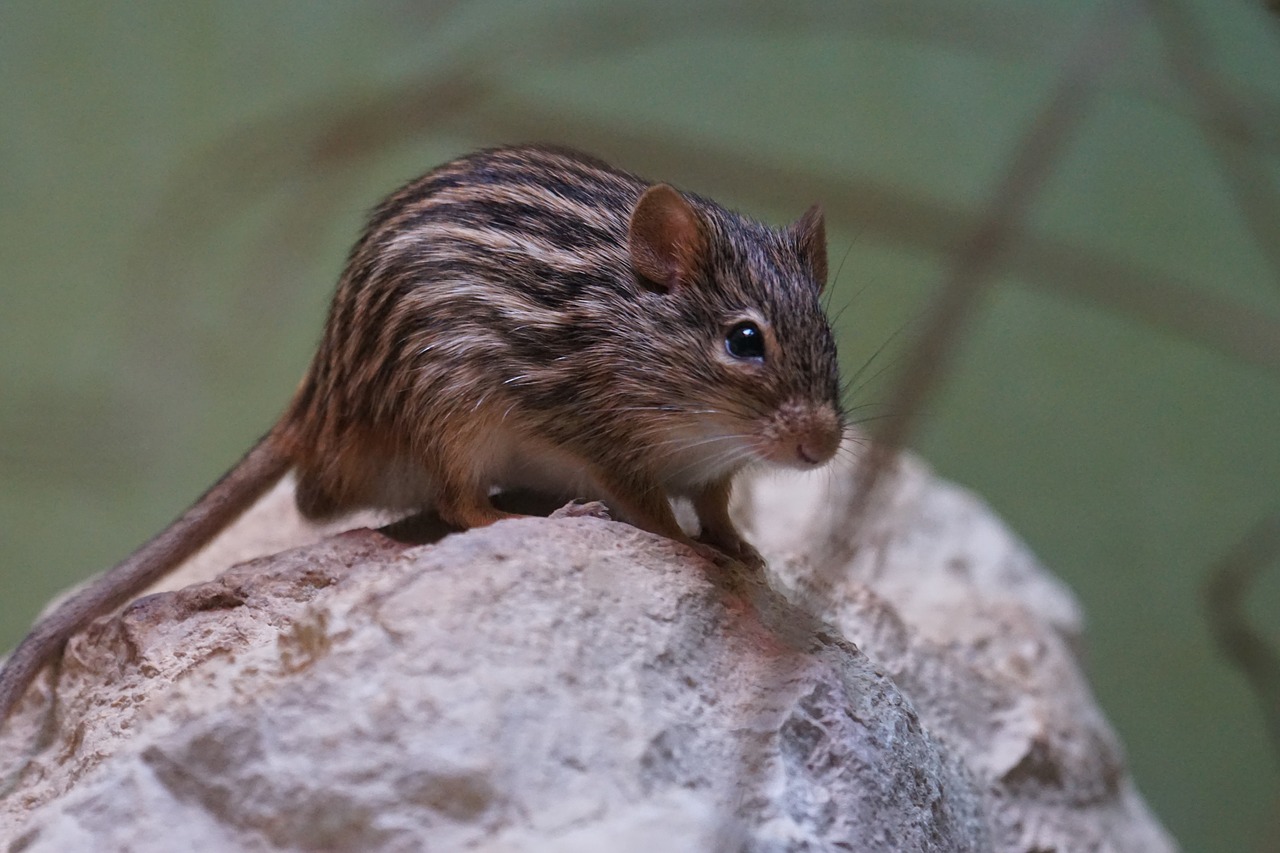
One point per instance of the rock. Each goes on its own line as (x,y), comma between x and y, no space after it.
(574,684)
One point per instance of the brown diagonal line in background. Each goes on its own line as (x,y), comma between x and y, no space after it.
(1238,331)
(1225,591)
(1219,109)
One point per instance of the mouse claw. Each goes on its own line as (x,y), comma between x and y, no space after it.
(725,558)
(710,553)
(583,509)
(738,551)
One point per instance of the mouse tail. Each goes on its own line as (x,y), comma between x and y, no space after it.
(237,490)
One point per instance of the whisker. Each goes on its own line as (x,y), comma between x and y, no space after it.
(879,350)
(851,392)
(730,455)
(874,418)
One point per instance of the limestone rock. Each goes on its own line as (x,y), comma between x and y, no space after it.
(574,684)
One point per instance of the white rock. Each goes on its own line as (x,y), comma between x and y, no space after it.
(573,684)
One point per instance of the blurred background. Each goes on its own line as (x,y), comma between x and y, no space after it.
(1057,223)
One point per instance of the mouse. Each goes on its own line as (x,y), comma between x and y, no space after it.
(530,317)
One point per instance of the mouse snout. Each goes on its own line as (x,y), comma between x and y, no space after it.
(802,435)
(818,444)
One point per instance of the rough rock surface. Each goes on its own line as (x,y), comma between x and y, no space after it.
(574,684)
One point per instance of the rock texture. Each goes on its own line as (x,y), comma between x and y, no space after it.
(573,684)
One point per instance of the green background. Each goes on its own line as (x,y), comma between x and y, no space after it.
(179,184)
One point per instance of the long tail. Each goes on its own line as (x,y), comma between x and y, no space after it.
(259,470)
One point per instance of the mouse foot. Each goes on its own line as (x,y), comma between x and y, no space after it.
(737,550)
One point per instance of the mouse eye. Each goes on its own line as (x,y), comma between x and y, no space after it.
(745,340)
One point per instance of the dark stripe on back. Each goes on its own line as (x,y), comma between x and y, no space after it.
(556,228)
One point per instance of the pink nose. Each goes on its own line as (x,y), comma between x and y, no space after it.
(817,444)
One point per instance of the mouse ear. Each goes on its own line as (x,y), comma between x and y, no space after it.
(666,238)
(811,236)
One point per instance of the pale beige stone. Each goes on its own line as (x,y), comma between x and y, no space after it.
(574,684)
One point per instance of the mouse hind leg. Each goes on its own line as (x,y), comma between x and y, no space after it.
(315,499)
(466,507)
(363,477)
(464,465)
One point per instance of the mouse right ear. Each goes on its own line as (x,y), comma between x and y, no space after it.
(811,235)
(666,239)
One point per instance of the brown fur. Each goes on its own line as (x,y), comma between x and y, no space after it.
(531,317)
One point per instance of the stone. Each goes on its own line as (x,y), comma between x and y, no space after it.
(574,684)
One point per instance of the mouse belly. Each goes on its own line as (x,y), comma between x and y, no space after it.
(519,462)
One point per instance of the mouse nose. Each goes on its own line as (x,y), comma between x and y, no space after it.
(817,449)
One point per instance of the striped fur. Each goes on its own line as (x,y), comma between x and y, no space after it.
(490,319)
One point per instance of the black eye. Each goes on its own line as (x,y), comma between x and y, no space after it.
(745,340)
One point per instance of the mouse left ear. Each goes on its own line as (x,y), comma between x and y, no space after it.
(666,239)
(810,231)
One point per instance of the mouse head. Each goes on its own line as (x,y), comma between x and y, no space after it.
(744,300)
